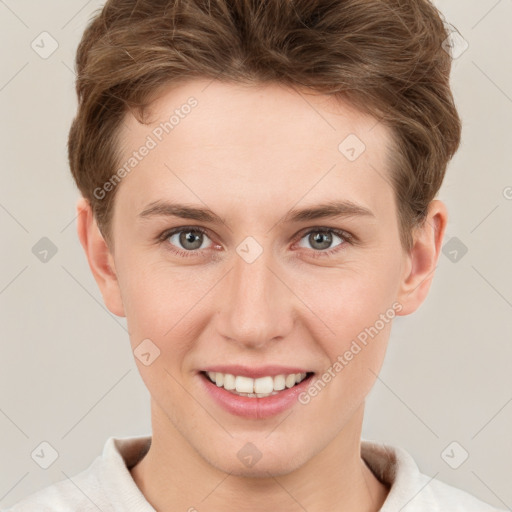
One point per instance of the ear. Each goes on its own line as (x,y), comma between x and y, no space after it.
(422,259)
(101,261)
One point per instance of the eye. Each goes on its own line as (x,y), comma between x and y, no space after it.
(191,239)
(321,240)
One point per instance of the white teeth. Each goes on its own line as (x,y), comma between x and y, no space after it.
(290,380)
(260,387)
(244,384)
(264,385)
(279,382)
(229,381)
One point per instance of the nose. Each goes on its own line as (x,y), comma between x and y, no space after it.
(256,307)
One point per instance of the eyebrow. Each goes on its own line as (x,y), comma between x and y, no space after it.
(329,209)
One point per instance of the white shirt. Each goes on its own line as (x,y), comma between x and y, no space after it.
(107,484)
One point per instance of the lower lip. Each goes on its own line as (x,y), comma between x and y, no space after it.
(254,408)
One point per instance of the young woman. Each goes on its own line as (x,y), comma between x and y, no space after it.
(259,182)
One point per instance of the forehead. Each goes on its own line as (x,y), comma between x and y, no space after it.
(255,141)
(273,112)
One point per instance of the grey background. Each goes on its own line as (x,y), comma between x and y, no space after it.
(67,375)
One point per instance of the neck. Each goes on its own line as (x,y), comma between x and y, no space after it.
(173,476)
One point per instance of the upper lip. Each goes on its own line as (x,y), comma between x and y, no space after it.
(253,372)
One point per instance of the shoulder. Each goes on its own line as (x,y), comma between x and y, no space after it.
(447,497)
(79,492)
(105,485)
(410,488)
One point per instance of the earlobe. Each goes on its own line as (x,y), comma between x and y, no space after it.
(422,259)
(101,261)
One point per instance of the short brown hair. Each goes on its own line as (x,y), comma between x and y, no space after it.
(385,56)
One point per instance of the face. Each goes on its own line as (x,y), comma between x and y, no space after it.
(255,239)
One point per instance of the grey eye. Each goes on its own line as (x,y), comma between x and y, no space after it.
(321,240)
(188,239)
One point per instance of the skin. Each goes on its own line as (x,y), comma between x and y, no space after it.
(252,154)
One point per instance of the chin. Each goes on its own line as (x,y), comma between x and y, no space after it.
(261,469)
(251,462)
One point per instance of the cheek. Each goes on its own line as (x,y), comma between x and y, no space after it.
(356,308)
(349,298)
(164,304)
(357,313)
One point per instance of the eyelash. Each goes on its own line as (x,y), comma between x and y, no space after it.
(344,235)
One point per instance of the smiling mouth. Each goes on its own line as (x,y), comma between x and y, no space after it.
(256,388)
